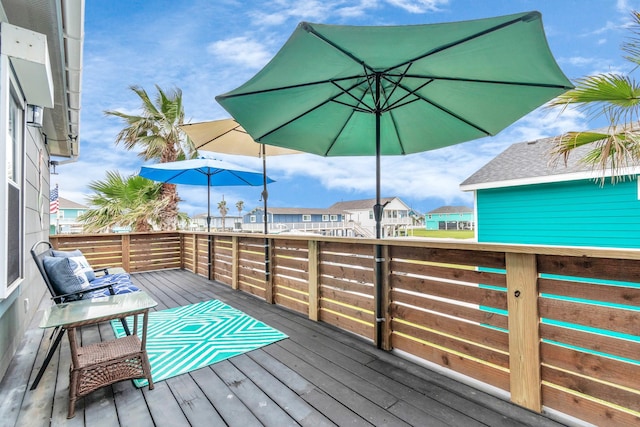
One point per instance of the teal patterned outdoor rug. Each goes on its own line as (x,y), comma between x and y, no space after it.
(187,338)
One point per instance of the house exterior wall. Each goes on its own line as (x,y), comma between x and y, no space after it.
(66,221)
(432,221)
(575,213)
(21,305)
(36,62)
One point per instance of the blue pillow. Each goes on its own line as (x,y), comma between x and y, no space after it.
(77,256)
(65,274)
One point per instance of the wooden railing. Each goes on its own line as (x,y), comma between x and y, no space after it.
(556,327)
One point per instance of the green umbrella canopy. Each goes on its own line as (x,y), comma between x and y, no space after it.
(439,85)
(356,91)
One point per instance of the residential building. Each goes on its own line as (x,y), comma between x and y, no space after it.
(349,219)
(397,217)
(65,221)
(325,221)
(40,75)
(522,197)
(199,222)
(449,218)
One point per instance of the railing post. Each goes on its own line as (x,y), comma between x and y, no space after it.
(269,294)
(126,247)
(524,330)
(182,249)
(386,300)
(314,283)
(195,253)
(235,257)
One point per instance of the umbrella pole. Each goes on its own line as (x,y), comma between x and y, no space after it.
(209,226)
(265,196)
(377,211)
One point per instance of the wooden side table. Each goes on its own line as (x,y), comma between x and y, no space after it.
(98,365)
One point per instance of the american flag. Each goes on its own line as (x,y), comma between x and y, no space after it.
(54,204)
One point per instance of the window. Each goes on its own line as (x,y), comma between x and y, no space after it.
(14,209)
(334,217)
(325,218)
(252,218)
(306,218)
(370,214)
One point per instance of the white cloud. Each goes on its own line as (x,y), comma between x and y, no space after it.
(419,6)
(578,61)
(242,51)
(278,12)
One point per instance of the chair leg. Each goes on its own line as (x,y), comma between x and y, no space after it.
(125,326)
(52,349)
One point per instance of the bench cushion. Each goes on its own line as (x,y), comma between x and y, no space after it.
(121,285)
(79,258)
(66,275)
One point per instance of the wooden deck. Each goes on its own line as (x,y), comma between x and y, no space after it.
(319,376)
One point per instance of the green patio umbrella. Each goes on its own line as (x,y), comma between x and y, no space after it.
(339,90)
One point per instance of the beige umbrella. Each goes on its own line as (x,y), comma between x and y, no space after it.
(228,137)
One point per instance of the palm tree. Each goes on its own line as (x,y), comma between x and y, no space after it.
(156,132)
(126,201)
(240,207)
(222,207)
(617,98)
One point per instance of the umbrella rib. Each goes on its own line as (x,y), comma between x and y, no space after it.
(217,137)
(217,171)
(452,44)
(168,181)
(397,130)
(496,82)
(359,102)
(294,86)
(395,85)
(344,125)
(399,102)
(304,113)
(305,26)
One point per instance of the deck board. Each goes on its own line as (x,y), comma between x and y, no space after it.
(319,376)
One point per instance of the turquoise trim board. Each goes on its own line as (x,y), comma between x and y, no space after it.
(570,213)
(568,325)
(183,339)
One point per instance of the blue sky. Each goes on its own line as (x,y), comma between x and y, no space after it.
(206,48)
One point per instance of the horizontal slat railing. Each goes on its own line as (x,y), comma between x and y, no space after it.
(556,327)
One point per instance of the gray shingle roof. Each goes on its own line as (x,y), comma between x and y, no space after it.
(451,209)
(68,204)
(528,160)
(359,204)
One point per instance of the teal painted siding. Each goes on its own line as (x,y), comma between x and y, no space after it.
(432,221)
(572,213)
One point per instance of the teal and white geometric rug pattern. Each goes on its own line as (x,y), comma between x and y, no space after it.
(183,339)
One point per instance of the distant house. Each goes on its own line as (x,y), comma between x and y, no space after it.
(327,221)
(521,197)
(199,222)
(396,215)
(449,218)
(65,221)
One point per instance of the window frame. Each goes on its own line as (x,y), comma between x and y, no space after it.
(12,101)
